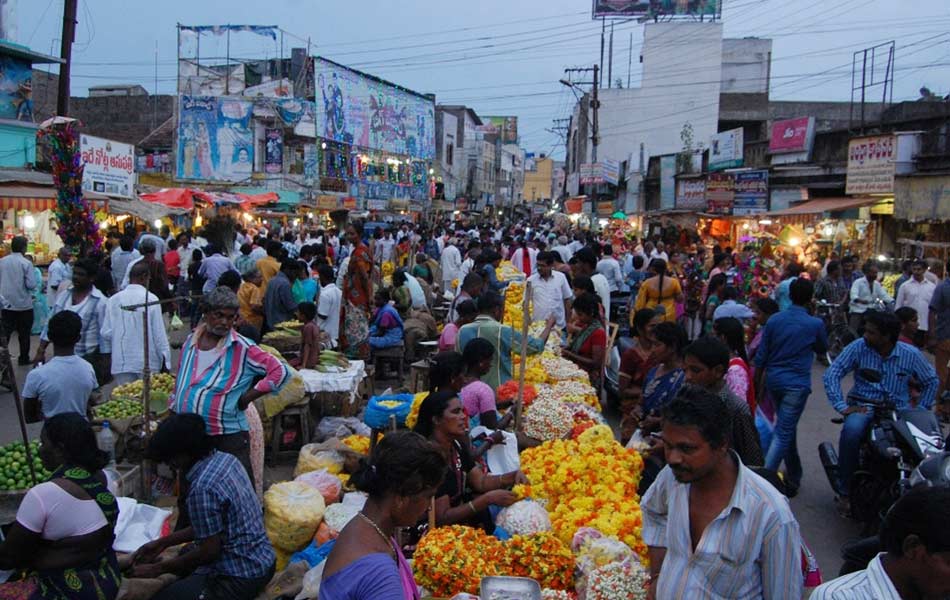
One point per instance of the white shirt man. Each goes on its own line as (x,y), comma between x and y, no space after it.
(563,249)
(609,267)
(384,248)
(328,309)
(550,293)
(60,276)
(517,259)
(916,293)
(451,265)
(863,294)
(602,287)
(125,330)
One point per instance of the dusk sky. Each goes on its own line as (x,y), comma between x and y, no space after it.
(501,57)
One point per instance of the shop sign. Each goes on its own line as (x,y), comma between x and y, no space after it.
(792,135)
(872,164)
(611,171)
(538,209)
(751,193)
(399,205)
(377,204)
(108,167)
(725,150)
(574,206)
(720,193)
(691,194)
(668,182)
(273,150)
(327,202)
(605,208)
(349,203)
(415,207)
(591,173)
(922,198)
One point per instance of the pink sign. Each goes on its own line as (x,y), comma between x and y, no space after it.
(790,135)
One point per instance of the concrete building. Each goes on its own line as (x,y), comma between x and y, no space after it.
(539,179)
(509,181)
(456,150)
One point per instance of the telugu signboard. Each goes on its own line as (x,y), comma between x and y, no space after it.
(591,173)
(725,150)
(650,8)
(691,194)
(751,192)
(792,135)
(108,167)
(357,109)
(872,164)
(720,193)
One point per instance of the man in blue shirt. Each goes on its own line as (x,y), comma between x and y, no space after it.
(731,308)
(233,558)
(897,362)
(783,363)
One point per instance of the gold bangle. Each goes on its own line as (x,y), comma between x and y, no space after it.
(472,506)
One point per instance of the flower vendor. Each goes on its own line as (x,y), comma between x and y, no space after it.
(587,341)
(386,328)
(468,491)
(400,479)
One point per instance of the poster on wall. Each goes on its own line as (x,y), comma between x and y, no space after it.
(273,150)
(505,127)
(720,193)
(16,89)
(871,165)
(751,193)
(725,150)
(310,163)
(354,108)
(667,182)
(215,141)
(108,167)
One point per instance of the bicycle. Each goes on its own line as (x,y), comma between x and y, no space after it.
(839,331)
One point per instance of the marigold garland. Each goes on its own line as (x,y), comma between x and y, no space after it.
(357,443)
(508,392)
(413,417)
(542,557)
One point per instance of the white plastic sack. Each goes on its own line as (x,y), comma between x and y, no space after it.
(338,515)
(339,427)
(137,525)
(525,517)
(311,583)
(501,458)
(355,500)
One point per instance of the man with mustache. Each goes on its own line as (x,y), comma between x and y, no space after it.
(714,528)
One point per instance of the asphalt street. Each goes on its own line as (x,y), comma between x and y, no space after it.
(823,530)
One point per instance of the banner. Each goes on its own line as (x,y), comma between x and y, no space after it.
(611,171)
(215,141)
(720,193)
(349,203)
(668,182)
(357,109)
(505,127)
(725,150)
(792,135)
(310,165)
(751,193)
(108,167)
(328,202)
(691,194)
(872,164)
(605,208)
(273,150)
(653,8)
(591,173)
(16,89)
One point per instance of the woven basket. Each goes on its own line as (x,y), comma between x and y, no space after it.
(285,344)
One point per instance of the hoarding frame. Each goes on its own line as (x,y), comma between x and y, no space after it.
(729,146)
(872,164)
(644,9)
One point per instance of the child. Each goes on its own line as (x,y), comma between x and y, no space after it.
(65,382)
(310,348)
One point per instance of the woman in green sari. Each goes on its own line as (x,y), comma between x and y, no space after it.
(587,338)
(64,529)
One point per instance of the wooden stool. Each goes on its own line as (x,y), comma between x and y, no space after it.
(277,430)
(419,376)
(396,354)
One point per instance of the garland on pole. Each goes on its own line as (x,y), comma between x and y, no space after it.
(76,219)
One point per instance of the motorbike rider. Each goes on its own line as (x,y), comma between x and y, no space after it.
(897,362)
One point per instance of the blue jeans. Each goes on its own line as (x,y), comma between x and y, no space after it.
(790,404)
(849,444)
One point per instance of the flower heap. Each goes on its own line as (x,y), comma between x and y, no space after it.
(578,392)
(357,443)
(557,595)
(553,345)
(542,557)
(561,369)
(587,482)
(508,392)
(890,282)
(548,419)
(413,415)
(535,373)
(514,305)
(618,581)
(76,219)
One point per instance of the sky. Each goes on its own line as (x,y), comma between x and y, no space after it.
(501,57)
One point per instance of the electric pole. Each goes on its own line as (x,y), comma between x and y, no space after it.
(65,52)
(595,138)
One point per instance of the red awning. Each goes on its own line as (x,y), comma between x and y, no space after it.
(823,205)
(174,197)
(37,198)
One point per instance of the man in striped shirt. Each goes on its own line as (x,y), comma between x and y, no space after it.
(915,538)
(217,375)
(713,527)
(897,363)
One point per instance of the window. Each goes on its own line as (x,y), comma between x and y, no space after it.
(449,154)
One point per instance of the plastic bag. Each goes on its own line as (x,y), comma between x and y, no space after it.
(176,322)
(286,582)
(311,583)
(327,484)
(137,525)
(596,553)
(525,517)
(355,500)
(292,512)
(339,427)
(338,515)
(313,457)
(313,554)
(501,458)
(381,408)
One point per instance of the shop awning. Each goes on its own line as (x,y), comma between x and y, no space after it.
(36,198)
(818,206)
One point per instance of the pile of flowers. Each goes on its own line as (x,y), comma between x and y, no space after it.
(578,392)
(508,392)
(357,443)
(890,282)
(553,345)
(587,482)
(561,369)
(453,559)
(535,373)
(542,557)
(548,419)
(413,415)
(557,595)
(618,581)
(507,272)
(514,305)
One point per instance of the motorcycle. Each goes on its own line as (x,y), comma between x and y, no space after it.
(897,441)
(839,331)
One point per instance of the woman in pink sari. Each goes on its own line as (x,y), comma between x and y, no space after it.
(366,563)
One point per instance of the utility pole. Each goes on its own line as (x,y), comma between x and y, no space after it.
(603,34)
(70,8)
(595,138)
(610,59)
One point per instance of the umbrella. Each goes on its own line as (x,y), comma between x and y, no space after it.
(619,215)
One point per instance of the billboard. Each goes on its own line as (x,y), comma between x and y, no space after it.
(611,169)
(591,173)
(725,150)
(273,150)
(650,8)
(108,167)
(792,135)
(357,109)
(16,89)
(505,127)
(872,164)
(751,192)
(691,194)
(668,182)
(720,193)
(215,140)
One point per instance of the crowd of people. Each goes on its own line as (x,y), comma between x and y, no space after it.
(711,369)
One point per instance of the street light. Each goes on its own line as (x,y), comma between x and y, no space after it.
(567,83)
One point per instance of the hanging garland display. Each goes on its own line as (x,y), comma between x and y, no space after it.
(76,218)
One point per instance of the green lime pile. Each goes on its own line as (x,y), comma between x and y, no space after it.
(15,469)
(119,408)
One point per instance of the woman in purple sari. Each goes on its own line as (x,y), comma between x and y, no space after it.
(366,563)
